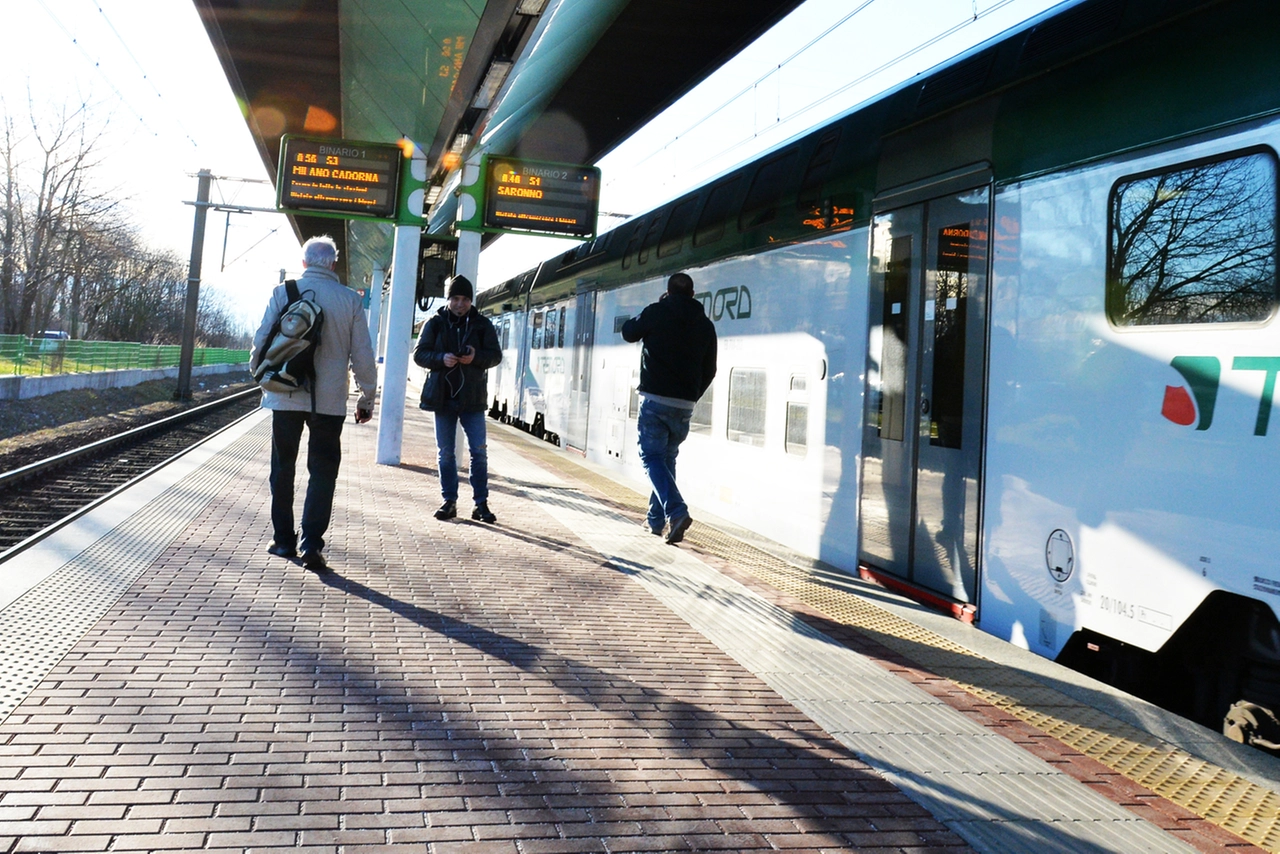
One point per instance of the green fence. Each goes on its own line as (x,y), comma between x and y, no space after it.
(39,356)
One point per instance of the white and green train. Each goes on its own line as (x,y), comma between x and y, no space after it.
(1004,337)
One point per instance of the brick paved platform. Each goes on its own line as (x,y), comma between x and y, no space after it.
(559,682)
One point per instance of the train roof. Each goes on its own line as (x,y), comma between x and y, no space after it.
(1079,82)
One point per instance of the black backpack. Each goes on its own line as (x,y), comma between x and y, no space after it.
(288,362)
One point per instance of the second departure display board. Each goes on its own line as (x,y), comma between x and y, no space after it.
(547,198)
(338,176)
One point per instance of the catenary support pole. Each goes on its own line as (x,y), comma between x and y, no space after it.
(395,380)
(375,307)
(183,391)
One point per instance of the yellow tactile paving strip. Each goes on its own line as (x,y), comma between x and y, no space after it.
(1225,799)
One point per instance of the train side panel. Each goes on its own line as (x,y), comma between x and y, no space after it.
(764,451)
(546,391)
(1129,462)
(503,380)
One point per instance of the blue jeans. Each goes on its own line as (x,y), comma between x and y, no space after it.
(447,439)
(662,429)
(324,453)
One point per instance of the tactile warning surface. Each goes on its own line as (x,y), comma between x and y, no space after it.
(43,625)
(1219,796)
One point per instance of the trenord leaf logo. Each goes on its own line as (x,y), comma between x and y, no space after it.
(1202,374)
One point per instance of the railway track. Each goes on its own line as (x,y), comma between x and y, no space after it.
(37,499)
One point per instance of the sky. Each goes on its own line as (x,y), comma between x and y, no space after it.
(148,71)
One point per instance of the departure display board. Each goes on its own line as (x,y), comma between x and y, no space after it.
(547,198)
(338,176)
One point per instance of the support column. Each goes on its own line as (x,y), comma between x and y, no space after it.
(468,261)
(395,378)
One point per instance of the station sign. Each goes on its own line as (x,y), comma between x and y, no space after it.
(539,197)
(352,179)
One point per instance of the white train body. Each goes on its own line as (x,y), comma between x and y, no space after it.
(1011,392)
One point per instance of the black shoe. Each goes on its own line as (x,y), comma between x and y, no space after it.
(482,513)
(314,561)
(657,532)
(678,527)
(282,551)
(448,510)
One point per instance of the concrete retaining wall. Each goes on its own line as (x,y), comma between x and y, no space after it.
(21,388)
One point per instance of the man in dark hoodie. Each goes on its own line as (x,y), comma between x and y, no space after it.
(677,364)
(458,345)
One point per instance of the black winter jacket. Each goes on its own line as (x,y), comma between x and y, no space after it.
(679,355)
(462,388)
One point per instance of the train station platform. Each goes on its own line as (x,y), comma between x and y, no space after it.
(561,681)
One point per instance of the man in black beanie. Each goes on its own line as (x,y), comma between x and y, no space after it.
(458,345)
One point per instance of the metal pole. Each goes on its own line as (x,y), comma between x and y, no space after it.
(395,377)
(183,391)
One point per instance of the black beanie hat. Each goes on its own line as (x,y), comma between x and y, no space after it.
(459,286)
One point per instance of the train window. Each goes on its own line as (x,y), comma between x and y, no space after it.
(797,437)
(891,401)
(797,428)
(816,172)
(549,329)
(650,238)
(746,405)
(637,233)
(506,333)
(761,204)
(701,421)
(678,225)
(1194,244)
(560,336)
(715,212)
(536,343)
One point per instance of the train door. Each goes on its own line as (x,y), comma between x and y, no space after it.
(922,438)
(584,331)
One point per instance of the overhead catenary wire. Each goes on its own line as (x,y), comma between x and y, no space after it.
(97,66)
(145,76)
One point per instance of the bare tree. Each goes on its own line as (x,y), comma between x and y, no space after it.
(45,211)
(69,256)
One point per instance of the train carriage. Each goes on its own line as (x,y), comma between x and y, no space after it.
(1004,337)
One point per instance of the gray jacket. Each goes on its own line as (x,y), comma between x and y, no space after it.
(344,341)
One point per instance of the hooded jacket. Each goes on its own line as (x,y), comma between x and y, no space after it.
(462,388)
(679,355)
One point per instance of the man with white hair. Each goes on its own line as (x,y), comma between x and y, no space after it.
(344,348)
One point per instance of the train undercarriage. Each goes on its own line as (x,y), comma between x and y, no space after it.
(1220,669)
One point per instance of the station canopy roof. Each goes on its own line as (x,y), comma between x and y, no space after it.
(562,80)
